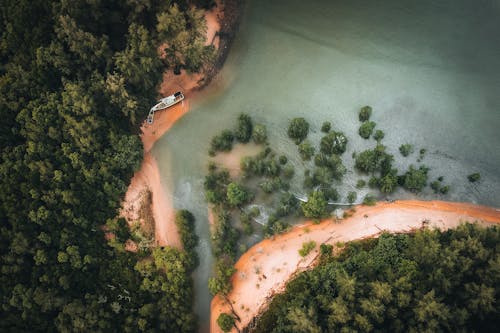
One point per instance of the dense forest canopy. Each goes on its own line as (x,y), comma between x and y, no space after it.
(429,281)
(76,79)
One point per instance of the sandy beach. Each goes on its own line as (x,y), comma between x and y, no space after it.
(265,269)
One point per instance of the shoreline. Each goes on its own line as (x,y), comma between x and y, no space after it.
(265,269)
(221,33)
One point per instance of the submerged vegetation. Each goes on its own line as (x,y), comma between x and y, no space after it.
(265,181)
(429,281)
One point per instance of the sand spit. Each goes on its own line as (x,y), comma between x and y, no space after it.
(265,269)
(148,176)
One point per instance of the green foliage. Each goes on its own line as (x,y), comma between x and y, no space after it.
(430,281)
(244,130)
(366,129)
(306,150)
(374,160)
(259,134)
(225,322)
(77,78)
(369,200)
(351,197)
(185,33)
(184,221)
(389,182)
(283,159)
(221,283)
(378,135)
(360,183)
(222,142)
(365,113)
(298,129)
(406,149)
(307,247)
(474,177)
(237,194)
(333,143)
(415,179)
(326,127)
(316,206)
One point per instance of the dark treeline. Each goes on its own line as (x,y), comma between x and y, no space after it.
(76,78)
(429,281)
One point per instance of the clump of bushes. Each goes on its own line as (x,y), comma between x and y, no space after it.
(222,142)
(351,197)
(415,179)
(306,150)
(259,134)
(369,200)
(307,247)
(365,113)
(474,177)
(298,130)
(333,143)
(379,135)
(244,130)
(237,194)
(438,187)
(316,207)
(225,322)
(406,149)
(366,129)
(326,127)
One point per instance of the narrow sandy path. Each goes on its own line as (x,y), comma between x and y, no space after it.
(148,176)
(265,269)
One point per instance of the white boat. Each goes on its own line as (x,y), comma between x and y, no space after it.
(164,103)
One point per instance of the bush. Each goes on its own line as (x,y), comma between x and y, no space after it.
(361,183)
(389,182)
(243,132)
(365,113)
(225,322)
(288,172)
(222,142)
(237,194)
(283,159)
(184,221)
(306,150)
(316,206)
(259,134)
(379,135)
(351,197)
(307,247)
(406,149)
(298,130)
(415,179)
(326,127)
(366,129)
(369,200)
(333,143)
(474,177)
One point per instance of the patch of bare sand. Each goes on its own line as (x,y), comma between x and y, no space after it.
(264,270)
(231,160)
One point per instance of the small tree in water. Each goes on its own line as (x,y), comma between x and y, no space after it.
(298,129)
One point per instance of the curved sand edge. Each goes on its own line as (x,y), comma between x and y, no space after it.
(265,269)
(148,176)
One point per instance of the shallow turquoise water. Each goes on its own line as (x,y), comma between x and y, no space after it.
(429,69)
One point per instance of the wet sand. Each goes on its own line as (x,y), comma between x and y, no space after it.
(148,176)
(265,269)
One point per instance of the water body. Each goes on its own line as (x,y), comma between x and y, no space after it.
(430,70)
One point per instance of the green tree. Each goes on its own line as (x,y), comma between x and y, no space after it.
(366,129)
(326,127)
(406,149)
(306,150)
(244,130)
(298,129)
(237,194)
(225,322)
(316,206)
(259,134)
(365,113)
(474,177)
(415,179)
(333,143)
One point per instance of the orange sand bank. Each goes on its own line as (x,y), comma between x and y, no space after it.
(148,177)
(265,269)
